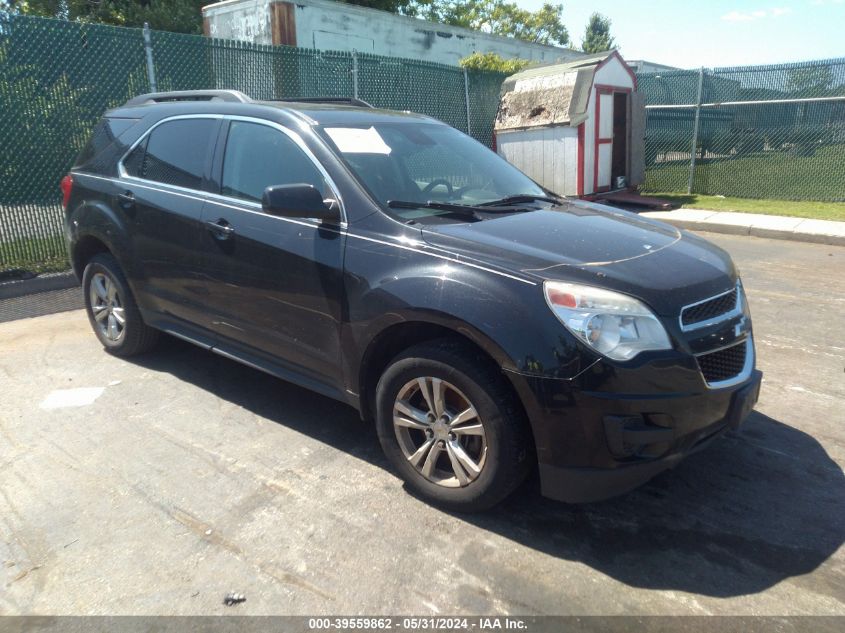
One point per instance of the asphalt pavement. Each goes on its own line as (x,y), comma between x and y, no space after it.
(159,484)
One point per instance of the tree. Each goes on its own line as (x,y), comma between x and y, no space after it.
(182,16)
(493,62)
(544,26)
(597,35)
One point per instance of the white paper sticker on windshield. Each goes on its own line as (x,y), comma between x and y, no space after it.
(353,140)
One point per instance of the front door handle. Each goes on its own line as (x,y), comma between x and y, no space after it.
(126,199)
(220,229)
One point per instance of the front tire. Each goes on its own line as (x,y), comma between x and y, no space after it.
(451,426)
(112,311)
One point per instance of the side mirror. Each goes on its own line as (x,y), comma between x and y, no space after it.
(298,201)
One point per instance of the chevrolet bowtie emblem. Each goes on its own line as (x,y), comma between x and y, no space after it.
(741,327)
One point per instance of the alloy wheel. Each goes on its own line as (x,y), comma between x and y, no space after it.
(440,432)
(107,307)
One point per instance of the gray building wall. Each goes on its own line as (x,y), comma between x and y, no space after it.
(327,25)
(645,66)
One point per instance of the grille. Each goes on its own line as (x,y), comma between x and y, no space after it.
(709,309)
(723,364)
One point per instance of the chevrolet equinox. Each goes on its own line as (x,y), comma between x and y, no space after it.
(391,262)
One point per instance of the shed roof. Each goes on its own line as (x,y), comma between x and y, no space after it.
(553,94)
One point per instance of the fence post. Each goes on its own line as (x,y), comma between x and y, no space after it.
(695,130)
(354,73)
(148,49)
(466,98)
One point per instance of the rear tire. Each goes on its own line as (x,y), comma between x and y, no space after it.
(112,311)
(450,424)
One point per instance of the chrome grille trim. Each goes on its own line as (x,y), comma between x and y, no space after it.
(747,367)
(736,311)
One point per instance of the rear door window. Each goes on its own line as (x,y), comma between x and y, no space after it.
(174,153)
(258,156)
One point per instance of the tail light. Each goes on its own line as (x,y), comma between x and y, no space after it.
(66,187)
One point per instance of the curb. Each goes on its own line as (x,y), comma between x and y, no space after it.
(734,228)
(44,283)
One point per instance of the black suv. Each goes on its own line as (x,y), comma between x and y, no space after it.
(393,263)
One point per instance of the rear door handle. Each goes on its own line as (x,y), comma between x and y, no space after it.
(220,229)
(126,199)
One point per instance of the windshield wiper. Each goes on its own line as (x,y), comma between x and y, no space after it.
(458,209)
(519,199)
(464,210)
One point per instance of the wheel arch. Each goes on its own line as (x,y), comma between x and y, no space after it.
(86,247)
(395,338)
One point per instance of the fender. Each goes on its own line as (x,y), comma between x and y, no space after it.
(423,289)
(103,224)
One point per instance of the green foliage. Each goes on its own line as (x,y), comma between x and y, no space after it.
(597,37)
(544,26)
(794,208)
(493,62)
(183,16)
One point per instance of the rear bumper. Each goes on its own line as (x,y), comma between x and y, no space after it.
(596,445)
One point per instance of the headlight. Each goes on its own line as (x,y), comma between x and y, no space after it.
(613,324)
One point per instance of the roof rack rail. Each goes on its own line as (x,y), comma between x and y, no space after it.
(345,100)
(189,95)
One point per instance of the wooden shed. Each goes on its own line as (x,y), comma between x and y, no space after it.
(577,127)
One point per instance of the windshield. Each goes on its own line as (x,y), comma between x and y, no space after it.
(426,162)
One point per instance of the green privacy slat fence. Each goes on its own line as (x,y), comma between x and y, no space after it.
(58,77)
(763,131)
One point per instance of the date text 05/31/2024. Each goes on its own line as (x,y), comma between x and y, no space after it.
(418,624)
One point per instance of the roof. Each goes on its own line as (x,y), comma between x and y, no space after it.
(588,61)
(314,113)
(554,94)
(331,113)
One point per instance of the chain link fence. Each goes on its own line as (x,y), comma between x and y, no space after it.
(751,132)
(764,131)
(58,77)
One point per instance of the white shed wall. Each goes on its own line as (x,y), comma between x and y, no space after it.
(613,73)
(548,155)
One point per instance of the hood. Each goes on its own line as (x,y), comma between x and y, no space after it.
(598,245)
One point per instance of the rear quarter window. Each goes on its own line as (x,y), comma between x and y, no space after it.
(105,132)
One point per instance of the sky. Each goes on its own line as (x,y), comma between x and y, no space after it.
(714,33)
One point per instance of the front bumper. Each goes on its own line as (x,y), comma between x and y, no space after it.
(594,444)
